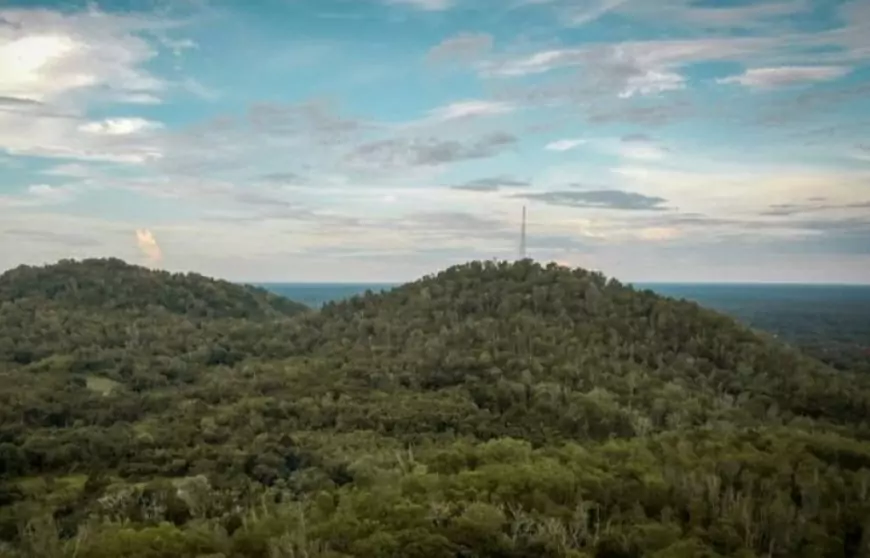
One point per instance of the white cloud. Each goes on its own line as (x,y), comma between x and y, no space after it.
(120,126)
(581,12)
(61,136)
(425,5)
(627,69)
(37,195)
(735,189)
(56,65)
(659,233)
(74,170)
(48,193)
(45,55)
(148,246)
(687,11)
(764,78)
(22,61)
(536,63)
(564,144)
(652,82)
(642,152)
(470,109)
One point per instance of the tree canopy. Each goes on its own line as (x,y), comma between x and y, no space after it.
(494,409)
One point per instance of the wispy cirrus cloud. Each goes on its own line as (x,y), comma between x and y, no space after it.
(564,144)
(466,109)
(768,78)
(425,5)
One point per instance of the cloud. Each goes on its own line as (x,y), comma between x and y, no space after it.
(603,199)
(712,16)
(767,78)
(651,82)
(73,170)
(642,113)
(425,5)
(492,184)
(318,117)
(314,133)
(659,233)
(282,178)
(641,146)
(46,193)
(49,237)
(564,144)
(463,110)
(822,102)
(585,11)
(412,152)
(17,102)
(464,47)
(301,189)
(737,188)
(148,246)
(57,65)
(120,126)
(453,221)
(46,134)
(632,58)
(577,12)
(787,209)
(45,55)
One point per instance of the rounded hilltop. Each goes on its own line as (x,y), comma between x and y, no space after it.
(111,284)
(571,331)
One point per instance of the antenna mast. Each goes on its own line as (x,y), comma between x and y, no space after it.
(523,236)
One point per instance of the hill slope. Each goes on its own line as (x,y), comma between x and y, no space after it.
(557,331)
(505,410)
(124,323)
(111,284)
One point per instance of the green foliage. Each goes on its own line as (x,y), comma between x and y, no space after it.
(492,410)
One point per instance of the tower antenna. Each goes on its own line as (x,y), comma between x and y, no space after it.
(523,236)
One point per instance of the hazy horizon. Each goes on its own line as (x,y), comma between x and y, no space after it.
(641,283)
(660,142)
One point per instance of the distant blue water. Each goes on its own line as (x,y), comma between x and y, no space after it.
(316,295)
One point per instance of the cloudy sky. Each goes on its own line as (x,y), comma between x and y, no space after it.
(380,140)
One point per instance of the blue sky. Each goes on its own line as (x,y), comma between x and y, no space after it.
(380,140)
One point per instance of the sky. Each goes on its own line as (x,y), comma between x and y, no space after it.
(383,140)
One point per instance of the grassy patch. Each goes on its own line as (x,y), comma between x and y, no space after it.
(101,385)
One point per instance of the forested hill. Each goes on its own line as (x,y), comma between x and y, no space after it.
(508,328)
(111,284)
(504,410)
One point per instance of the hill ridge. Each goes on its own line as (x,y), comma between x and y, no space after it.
(112,284)
(503,410)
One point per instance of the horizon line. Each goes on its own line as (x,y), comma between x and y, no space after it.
(624,282)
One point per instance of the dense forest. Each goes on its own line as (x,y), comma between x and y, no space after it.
(830,323)
(492,410)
